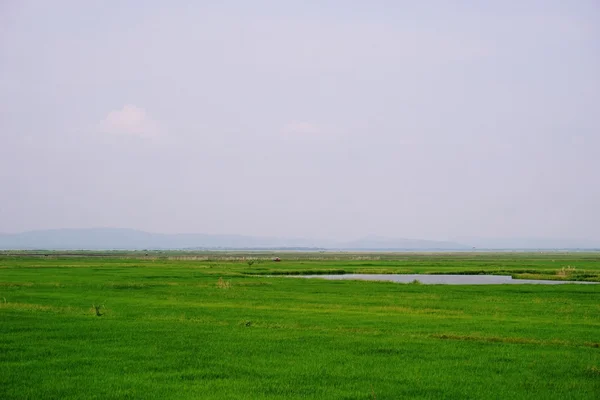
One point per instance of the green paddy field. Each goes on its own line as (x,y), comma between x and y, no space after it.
(233,326)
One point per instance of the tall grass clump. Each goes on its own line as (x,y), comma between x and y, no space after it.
(97,308)
(223,284)
(566,271)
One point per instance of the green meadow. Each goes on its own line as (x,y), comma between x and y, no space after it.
(233,326)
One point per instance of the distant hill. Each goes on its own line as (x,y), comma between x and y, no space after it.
(130,239)
(532,243)
(382,243)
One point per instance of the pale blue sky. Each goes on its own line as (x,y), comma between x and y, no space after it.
(327,119)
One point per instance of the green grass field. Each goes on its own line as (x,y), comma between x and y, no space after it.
(215,326)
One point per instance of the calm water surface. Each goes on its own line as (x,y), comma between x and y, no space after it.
(442,279)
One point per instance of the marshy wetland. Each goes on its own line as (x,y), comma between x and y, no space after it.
(233,325)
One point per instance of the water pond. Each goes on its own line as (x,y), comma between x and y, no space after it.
(442,279)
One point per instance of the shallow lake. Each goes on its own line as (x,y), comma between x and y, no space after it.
(442,279)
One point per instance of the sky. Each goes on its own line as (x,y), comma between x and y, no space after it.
(318,119)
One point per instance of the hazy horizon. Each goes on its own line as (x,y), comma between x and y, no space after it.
(331,120)
(494,241)
(123,238)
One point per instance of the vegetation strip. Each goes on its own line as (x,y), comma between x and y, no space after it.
(219,328)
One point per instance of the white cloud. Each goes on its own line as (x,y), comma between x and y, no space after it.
(130,121)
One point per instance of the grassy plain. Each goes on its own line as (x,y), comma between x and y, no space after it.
(214,326)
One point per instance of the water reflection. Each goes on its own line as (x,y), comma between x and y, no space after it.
(442,279)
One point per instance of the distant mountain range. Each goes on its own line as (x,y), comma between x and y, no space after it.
(531,243)
(130,239)
(383,243)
